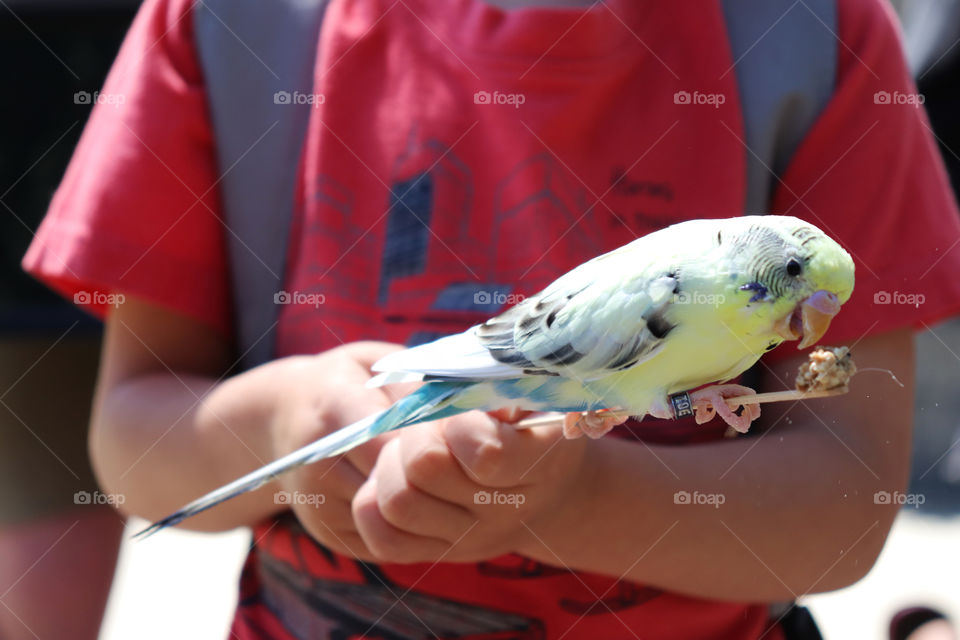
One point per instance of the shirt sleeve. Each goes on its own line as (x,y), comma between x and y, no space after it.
(138,211)
(870,176)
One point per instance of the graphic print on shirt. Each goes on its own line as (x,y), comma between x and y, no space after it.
(366,605)
(363,601)
(433,261)
(538,188)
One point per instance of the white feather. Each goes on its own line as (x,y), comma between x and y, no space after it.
(458,356)
(393,377)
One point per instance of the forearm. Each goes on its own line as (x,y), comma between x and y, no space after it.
(162,440)
(797,515)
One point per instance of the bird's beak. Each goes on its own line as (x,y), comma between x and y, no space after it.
(809,320)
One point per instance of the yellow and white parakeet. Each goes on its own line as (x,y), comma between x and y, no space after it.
(695,303)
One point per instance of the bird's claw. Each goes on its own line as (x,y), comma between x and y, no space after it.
(593,424)
(710,401)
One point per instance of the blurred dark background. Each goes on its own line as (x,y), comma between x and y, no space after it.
(48,348)
(50,50)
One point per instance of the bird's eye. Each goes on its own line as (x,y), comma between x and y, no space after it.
(794,267)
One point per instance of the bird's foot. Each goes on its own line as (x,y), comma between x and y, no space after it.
(661,409)
(593,424)
(710,401)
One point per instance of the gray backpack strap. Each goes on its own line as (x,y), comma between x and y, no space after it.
(785,58)
(254,56)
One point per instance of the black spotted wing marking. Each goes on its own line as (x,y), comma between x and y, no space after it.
(501,334)
(509,337)
(647,342)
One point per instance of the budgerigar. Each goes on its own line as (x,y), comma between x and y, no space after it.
(695,303)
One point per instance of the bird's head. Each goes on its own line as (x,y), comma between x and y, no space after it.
(800,272)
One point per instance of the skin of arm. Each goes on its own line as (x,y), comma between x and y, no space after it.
(154,437)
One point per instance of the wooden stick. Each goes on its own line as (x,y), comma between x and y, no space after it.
(551,419)
(784,396)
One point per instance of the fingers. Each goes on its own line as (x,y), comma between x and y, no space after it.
(408,508)
(511,416)
(332,526)
(367,352)
(385,540)
(350,404)
(494,454)
(321,497)
(364,457)
(430,466)
(421,503)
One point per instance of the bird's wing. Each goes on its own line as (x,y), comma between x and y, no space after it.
(585,325)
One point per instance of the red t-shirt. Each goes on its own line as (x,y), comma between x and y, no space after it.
(410,187)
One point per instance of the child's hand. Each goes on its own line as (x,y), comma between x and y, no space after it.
(321,394)
(469,488)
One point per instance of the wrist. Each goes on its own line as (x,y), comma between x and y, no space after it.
(576,515)
(251,406)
